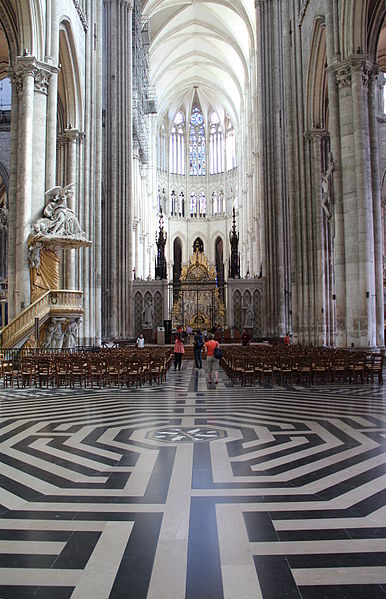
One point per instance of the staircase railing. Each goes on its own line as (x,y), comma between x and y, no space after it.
(58,302)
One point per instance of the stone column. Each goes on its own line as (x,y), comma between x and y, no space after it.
(52,57)
(377,208)
(118,262)
(352,79)
(320,225)
(32,84)
(74,138)
(338,293)
(13,302)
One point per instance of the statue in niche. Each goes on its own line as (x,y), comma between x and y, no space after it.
(326,188)
(249,318)
(147,314)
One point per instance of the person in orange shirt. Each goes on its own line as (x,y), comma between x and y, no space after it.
(211,361)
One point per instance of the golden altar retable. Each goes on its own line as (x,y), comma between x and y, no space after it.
(198,303)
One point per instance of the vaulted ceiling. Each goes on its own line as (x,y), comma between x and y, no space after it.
(201,44)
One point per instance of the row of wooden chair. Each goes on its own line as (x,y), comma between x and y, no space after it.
(253,365)
(106,368)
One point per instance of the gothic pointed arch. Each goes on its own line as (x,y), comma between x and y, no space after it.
(8,21)
(317,90)
(68,81)
(197,139)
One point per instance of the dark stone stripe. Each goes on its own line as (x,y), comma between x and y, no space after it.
(133,576)
(204,580)
(275,578)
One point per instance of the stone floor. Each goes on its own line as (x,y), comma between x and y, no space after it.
(194,491)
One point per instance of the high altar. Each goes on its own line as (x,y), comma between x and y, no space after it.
(198,302)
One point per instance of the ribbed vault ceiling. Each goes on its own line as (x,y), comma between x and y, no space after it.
(200,44)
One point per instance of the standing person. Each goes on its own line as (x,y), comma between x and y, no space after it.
(287,340)
(140,341)
(210,346)
(179,351)
(189,331)
(197,347)
(245,338)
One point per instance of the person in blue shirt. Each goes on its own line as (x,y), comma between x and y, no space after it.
(198,344)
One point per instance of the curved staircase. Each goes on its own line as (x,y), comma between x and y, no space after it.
(56,302)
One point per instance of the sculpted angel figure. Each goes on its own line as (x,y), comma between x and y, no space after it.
(59,218)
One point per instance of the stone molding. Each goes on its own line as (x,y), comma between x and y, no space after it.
(303,11)
(81,14)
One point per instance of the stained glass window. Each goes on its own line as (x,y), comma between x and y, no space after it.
(197,144)
(216,145)
(177,146)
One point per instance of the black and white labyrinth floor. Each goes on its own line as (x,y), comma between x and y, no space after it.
(190,491)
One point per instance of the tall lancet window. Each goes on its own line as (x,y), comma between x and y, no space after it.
(216,145)
(162,149)
(230,145)
(177,146)
(197,145)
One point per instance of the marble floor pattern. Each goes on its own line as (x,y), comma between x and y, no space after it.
(194,491)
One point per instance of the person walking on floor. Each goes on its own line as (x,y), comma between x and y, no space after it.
(211,361)
(179,351)
(198,344)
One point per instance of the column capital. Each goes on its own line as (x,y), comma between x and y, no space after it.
(356,63)
(28,66)
(128,3)
(316,133)
(73,135)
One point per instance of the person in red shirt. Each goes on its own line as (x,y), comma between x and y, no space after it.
(287,340)
(211,361)
(179,351)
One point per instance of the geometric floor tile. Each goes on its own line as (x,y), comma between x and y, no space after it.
(190,490)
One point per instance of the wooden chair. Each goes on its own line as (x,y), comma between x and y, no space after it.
(376,368)
(44,371)
(27,371)
(8,372)
(78,370)
(62,371)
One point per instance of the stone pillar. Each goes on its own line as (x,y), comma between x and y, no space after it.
(13,301)
(52,57)
(118,261)
(320,225)
(377,208)
(74,138)
(338,293)
(352,79)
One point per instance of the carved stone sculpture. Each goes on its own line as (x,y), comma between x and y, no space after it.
(59,222)
(326,189)
(71,334)
(147,314)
